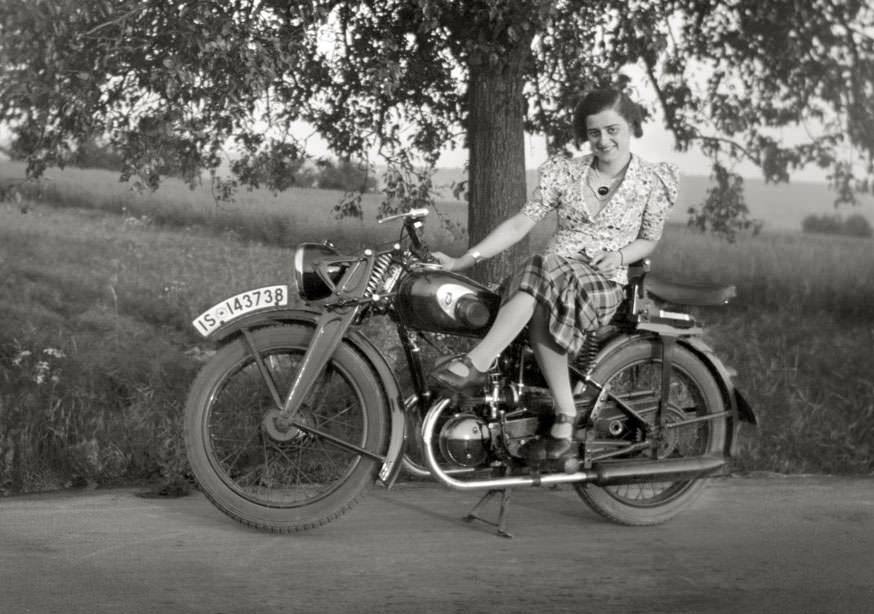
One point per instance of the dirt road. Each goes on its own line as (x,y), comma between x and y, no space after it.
(779,544)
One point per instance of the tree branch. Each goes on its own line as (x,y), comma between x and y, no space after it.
(118,19)
(734,144)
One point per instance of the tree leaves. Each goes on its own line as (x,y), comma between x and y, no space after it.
(174,83)
(724,211)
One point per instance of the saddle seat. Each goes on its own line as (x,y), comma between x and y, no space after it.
(691,294)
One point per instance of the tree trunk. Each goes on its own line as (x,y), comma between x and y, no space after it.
(496,142)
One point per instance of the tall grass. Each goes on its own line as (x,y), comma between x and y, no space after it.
(800,334)
(96,350)
(792,273)
(257,215)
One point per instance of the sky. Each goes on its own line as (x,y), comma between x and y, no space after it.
(656,145)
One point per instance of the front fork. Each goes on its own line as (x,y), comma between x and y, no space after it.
(330,329)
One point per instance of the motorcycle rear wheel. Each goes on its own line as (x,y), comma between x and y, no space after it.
(275,479)
(634,371)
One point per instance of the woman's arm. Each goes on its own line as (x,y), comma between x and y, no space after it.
(607,262)
(506,234)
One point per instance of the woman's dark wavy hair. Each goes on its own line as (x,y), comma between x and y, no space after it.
(603,99)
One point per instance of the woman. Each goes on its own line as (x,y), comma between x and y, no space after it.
(611,209)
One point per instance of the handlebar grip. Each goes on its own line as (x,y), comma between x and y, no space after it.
(406,215)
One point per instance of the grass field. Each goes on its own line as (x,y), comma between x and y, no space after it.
(280,219)
(96,351)
(255,215)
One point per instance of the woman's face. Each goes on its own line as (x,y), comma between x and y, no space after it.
(609,135)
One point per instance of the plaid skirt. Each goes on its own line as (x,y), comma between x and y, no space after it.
(576,297)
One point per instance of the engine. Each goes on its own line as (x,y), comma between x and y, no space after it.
(467,439)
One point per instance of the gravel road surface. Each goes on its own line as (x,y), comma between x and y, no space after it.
(763,544)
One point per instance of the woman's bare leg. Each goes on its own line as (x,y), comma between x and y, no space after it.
(511,319)
(553,362)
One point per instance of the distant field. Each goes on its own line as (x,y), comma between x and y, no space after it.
(780,207)
(112,280)
(292,216)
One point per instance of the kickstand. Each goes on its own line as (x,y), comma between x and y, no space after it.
(502,520)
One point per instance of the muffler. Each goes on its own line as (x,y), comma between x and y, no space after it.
(664,470)
(602,474)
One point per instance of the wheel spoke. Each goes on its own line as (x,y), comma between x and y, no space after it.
(335,417)
(638,386)
(285,475)
(223,461)
(321,456)
(327,455)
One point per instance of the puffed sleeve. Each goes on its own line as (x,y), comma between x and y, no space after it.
(662,197)
(547,196)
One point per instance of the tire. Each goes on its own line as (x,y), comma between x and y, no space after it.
(275,480)
(633,371)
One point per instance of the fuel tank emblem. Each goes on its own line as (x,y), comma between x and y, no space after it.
(448,295)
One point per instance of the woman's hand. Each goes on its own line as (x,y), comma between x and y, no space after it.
(607,262)
(448,262)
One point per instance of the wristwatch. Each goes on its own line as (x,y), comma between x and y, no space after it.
(476,255)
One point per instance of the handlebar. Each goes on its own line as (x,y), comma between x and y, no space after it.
(412,223)
(412,213)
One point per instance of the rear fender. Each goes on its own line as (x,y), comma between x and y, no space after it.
(741,411)
(278,316)
(738,406)
(723,376)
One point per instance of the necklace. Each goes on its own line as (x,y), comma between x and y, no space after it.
(603,190)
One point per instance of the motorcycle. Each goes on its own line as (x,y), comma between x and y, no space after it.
(298,412)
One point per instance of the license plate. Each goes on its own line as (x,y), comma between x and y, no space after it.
(239,305)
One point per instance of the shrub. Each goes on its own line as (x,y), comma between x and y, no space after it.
(854,226)
(91,411)
(826,224)
(92,154)
(857,226)
(344,175)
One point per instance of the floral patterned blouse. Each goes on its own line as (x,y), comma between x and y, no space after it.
(636,210)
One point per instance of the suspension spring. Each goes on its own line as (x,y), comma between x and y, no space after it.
(376,276)
(588,353)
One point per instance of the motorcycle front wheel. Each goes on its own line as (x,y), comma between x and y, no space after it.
(284,478)
(633,374)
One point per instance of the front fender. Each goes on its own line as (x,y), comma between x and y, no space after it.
(276,316)
(270,316)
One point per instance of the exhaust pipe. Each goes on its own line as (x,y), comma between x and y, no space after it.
(664,470)
(601,474)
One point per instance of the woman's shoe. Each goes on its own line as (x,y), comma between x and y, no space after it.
(448,379)
(550,447)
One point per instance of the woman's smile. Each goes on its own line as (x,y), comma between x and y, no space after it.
(609,136)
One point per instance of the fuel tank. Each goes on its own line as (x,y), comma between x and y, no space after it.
(443,302)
